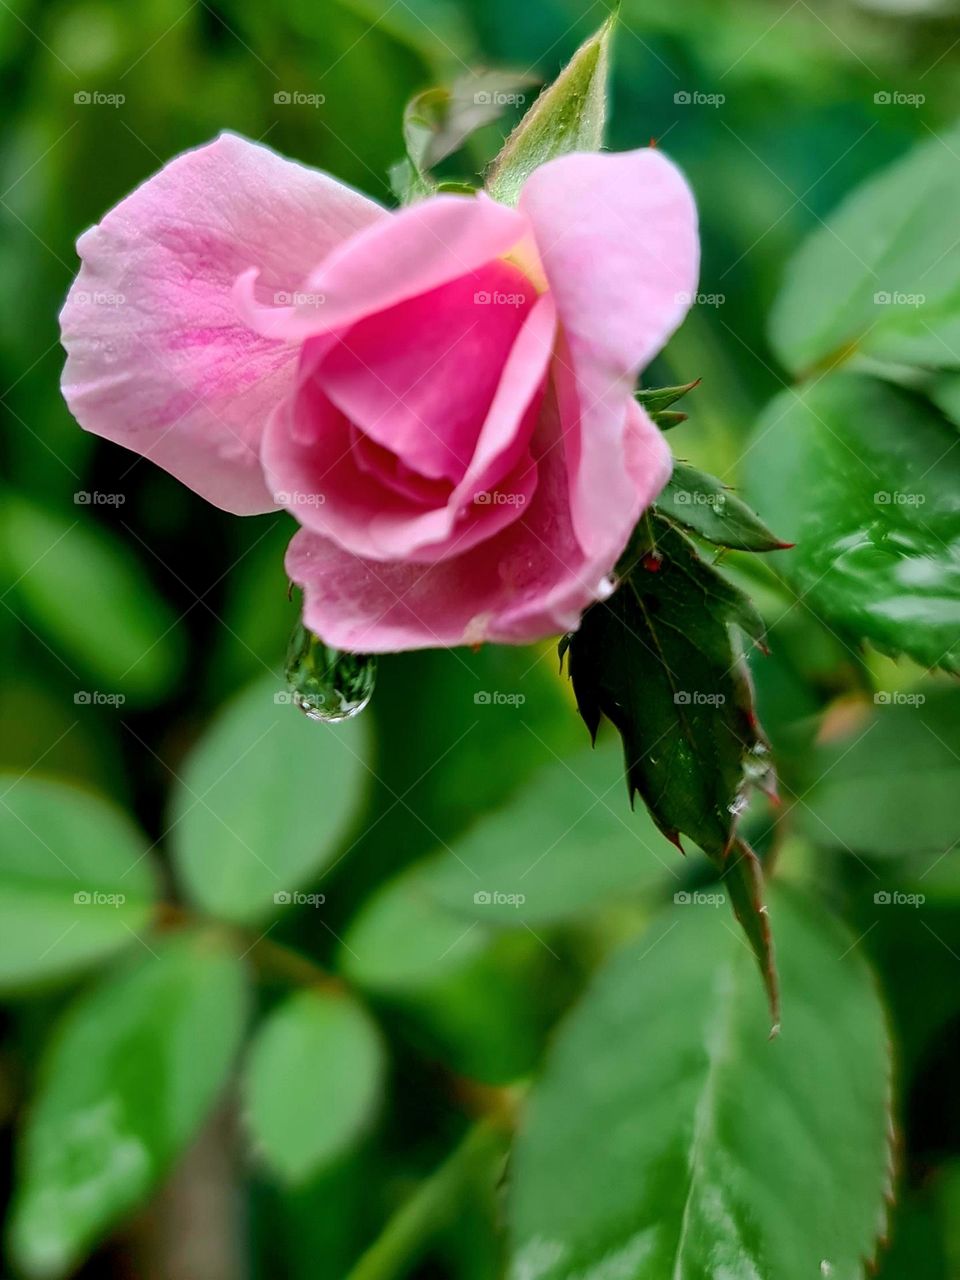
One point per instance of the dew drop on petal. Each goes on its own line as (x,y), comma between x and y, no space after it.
(328,684)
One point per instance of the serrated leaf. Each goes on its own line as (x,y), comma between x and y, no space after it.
(863,477)
(312,1082)
(75,884)
(659,659)
(701,503)
(662,660)
(128,1077)
(262,802)
(568,116)
(881,276)
(668,1136)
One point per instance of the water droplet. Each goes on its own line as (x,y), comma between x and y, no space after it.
(328,684)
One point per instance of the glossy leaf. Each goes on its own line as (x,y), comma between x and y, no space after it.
(707,507)
(262,803)
(563,845)
(669,1137)
(312,1082)
(863,477)
(881,276)
(568,116)
(88,598)
(76,881)
(130,1074)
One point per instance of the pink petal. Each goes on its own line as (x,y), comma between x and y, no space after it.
(419,377)
(617,237)
(314,469)
(529,581)
(158,359)
(411,252)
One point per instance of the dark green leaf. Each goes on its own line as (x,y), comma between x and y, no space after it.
(709,508)
(568,116)
(312,1082)
(662,660)
(76,883)
(126,1082)
(669,1137)
(864,477)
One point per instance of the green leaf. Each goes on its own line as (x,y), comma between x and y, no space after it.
(89,599)
(656,399)
(438,121)
(944,391)
(76,883)
(263,803)
(701,503)
(863,477)
(669,1137)
(662,660)
(881,276)
(890,785)
(312,1082)
(127,1079)
(479,1000)
(568,116)
(559,848)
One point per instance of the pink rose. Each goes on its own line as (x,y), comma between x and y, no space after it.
(442,396)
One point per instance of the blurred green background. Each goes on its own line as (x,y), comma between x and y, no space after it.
(129,624)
